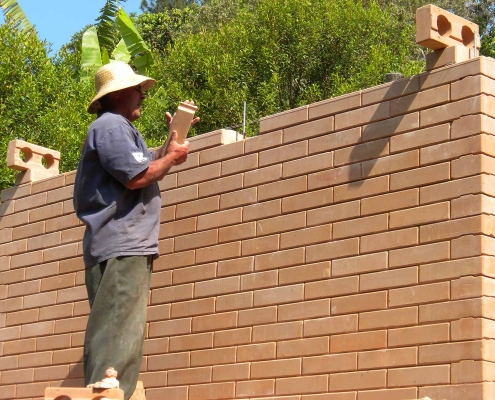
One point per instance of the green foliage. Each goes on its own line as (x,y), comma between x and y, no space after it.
(107,32)
(91,58)
(158,6)
(14,13)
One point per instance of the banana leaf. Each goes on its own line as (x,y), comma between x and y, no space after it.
(105,58)
(105,24)
(134,42)
(120,53)
(91,56)
(13,11)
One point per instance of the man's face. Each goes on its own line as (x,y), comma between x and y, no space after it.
(129,102)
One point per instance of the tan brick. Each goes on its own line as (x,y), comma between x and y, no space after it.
(72,265)
(191,342)
(419,254)
(263,175)
(358,341)
(19,347)
(60,252)
(306,165)
(237,232)
(58,282)
(276,332)
(389,164)
(419,294)
(361,189)
(360,264)
(388,318)
(329,363)
(359,303)
(330,325)
(222,185)
(231,372)
(19,246)
(6,235)
(420,176)
(415,335)
(301,385)
(337,249)
(283,119)
(168,361)
(362,152)
(239,164)
(283,153)
(450,269)
(197,207)
(471,86)
(170,181)
(31,390)
(256,352)
(161,279)
(282,188)
(332,287)
(71,294)
(262,142)
(193,274)
(450,352)
(358,380)
(41,270)
(14,220)
(304,273)
(196,240)
(390,126)
(218,219)
(468,371)
(56,312)
(452,189)
(35,229)
(238,198)
(304,310)
(232,337)
(308,130)
(7,363)
(258,316)
(424,375)
(193,307)
(388,358)
(335,140)
(279,295)
(302,347)
(420,138)
(172,294)
(391,90)
(178,393)
(228,150)
(362,116)
(178,228)
(170,328)
(472,125)
(333,213)
(17,376)
(279,259)
(389,240)
(307,200)
(23,288)
(219,252)
(334,105)
(214,322)
(175,260)
(425,99)
(275,368)
(472,164)
(189,376)
(180,195)
(281,224)
(213,357)
(42,299)
(10,305)
(217,286)
(236,266)
(388,279)
(260,245)
(259,280)
(36,359)
(360,226)
(457,148)
(262,210)
(469,329)
(212,391)
(33,201)
(252,388)
(454,228)
(199,174)
(450,310)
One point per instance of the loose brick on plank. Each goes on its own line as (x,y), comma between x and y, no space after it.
(329,363)
(331,250)
(335,140)
(360,189)
(282,189)
(283,153)
(359,303)
(360,226)
(361,152)
(302,385)
(232,337)
(334,105)
(334,176)
(260,245)
(389,240)
(388,318)
(279,295)
(180,195)
(256,352)
(279,259)
(360,264)
(415,335)
(235,266)
(419,294)
(276,368)
(331,287)
(238,198)
(390,127)
(198,207)
(358,341)
(257,316)
(363,115)
(304,310)
(358,380)
(282,223)
(260,176)
(277,332)
(307,165)
(218,252)
(388,279)
(305,273)
(420,138)
(261,142)
(308,130)
(221,185)
(239,164)
(262,210)
(192,308)
(195,273)
(284,119)
(331,325)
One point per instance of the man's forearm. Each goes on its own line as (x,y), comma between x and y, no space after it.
(155,172)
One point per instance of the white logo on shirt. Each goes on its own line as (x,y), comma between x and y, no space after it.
(140,158)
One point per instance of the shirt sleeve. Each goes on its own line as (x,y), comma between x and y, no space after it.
(120,154)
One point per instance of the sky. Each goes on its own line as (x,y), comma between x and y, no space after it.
(57,20)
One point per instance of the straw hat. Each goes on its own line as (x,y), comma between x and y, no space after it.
(113,77)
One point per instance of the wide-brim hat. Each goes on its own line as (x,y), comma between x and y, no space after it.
(113,77)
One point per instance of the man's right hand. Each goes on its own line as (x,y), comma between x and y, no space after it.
(177,153)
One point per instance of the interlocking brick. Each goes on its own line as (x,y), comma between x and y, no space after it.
(177,228)
(212,391)
(391,90)
(360,264)
(424,334)
(359,303)
(304,273)
(260,245)
(359,189)
(283,119)
(283,153)
(256,352)
(264,387)
(169,361)
(308,164)
(178,392)
(329,363)
(238,198)
(262,210)
(239,164)
(331,325)
(423,100)
(362,152)
(189,376)
(420,176)
(222,185)
(358,341)
(172,294)
(231,372)
(358,380)
(199,174)
(302,385)
(19,347)
(335,105)
(237,232)
(191,342)
(450,310)
(452,189)
(276,332)
(261,142)
(419,294)
(180,195)
(424,375)
(331,287)
(419,254)
(198,207)
(450,269)
(389,164)
(390,126)
(257,316)
(472,164)
(389,240)
(170,328)
(283,188)
(170,181)
(304,310)
(279,259)
(217,286)
(388,358)
(196,240)
(279,295)
(34,229)
(232,337)
(16,219)
(218,252)
(308,130)
(236,266)
(193,307)
(33,201)
(472,125)
(16,376)
(213,357)
(454,228)
(333,213)
(228,150)
(388,318)
(280,224)
(450,352)
(193,274)
(420,138)
(400,393)
(472,86)
(362,116)
(259,280)
(35,360)
(19,246)
(214,322)
(275,368)
(307,200)
(388,279)
(360,226)
(56,312)
(23,288)
(335,140)
(331,250)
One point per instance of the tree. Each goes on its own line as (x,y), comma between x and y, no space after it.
(158,6)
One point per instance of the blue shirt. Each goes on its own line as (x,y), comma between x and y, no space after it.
(119,221)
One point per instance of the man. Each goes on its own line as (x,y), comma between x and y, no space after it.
(117,197)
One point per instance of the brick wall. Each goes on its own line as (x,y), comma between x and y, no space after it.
(346,253)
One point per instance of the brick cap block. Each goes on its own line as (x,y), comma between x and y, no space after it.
(57,393)
(437,29)
(33,155)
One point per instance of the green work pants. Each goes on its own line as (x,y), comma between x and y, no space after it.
(118,291)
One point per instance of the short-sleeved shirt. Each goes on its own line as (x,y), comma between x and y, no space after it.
(119,221)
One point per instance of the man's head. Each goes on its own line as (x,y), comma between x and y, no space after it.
(120,89)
